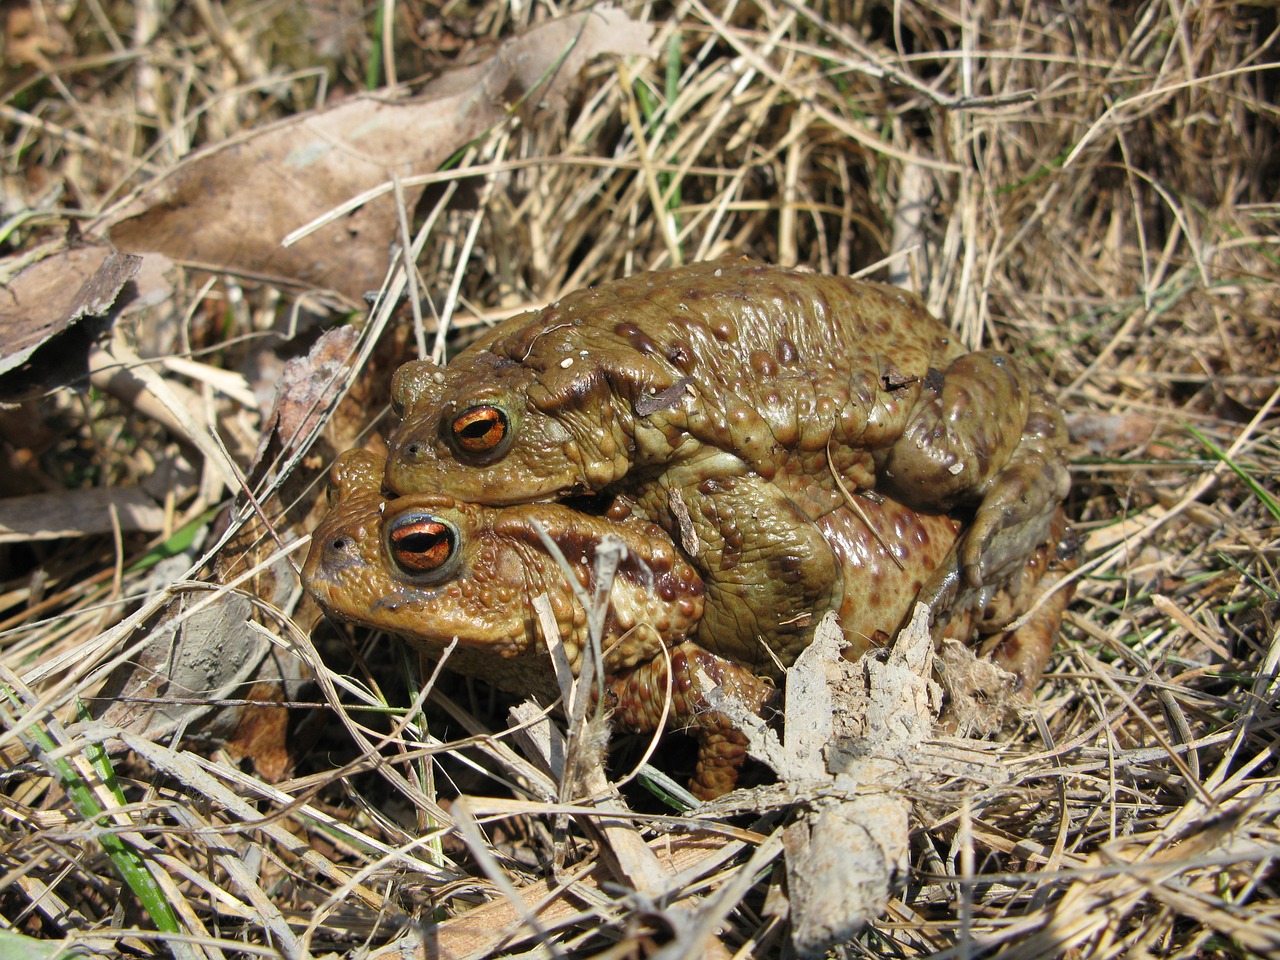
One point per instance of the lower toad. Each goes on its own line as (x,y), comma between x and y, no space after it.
(432,569)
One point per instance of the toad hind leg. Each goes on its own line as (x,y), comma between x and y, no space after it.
(769,573)
(981,434)
(640,694)
(1025,652)
(1018,617)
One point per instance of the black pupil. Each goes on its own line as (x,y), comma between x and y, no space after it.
(476,429)
(418,542)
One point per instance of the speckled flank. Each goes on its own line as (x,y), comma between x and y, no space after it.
(879,592)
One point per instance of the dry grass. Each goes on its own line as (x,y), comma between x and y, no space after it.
(1093,189)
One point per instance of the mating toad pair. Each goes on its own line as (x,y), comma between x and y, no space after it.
(768,444)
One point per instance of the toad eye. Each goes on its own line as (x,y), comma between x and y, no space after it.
(482,429)
(422,544)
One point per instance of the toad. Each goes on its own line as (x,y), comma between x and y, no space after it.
(739,405)
(434,570)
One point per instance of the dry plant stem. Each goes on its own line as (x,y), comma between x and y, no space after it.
(187,772)
(665,225)
(635,863)
(86,666)
(701,935)
(245,784)
(72,752)
(469,831)
(466,170)
(451,298)
(170,403)
(1198,489)
(485,928)
(260,904)
(788,247)
(408,264)
(66,135)
(1099,669)
(372,751)
(581,771)
(854,132)
(587,738)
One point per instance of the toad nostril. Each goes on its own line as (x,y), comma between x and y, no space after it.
(342,544)
(413,450)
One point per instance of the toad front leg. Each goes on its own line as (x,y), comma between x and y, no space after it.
(768,571)
(641,693)
(981,434)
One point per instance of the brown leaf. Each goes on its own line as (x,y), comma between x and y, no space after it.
(45,301)
(263,733)
(1109,433)
(308,386)
(75,513)
(207,674)
(30,36)
(496,925)
(229,207)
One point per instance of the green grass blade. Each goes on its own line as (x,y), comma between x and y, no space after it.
(14,946)
(129,863)
(176,543)
(1268,501)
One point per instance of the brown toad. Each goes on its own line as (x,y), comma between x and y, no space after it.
(737,403)
(433,570)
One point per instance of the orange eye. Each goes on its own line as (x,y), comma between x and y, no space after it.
(480,429)
(421,543)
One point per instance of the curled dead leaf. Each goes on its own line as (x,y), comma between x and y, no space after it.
(45,304)
(230,206)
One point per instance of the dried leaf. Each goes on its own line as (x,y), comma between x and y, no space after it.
(230,206)
(1106,433)
(216,650)
(77,513)
(30,38)
(195,659)
(308,387)
(204,652)
(496,925)
(263,733)
(847,856)
(844,861)
(44,303)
